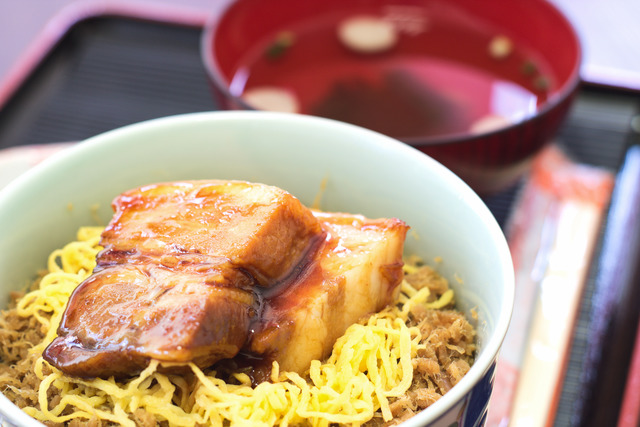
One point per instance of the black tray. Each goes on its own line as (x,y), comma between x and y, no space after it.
(106,71)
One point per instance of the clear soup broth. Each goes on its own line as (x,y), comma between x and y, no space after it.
(440,75)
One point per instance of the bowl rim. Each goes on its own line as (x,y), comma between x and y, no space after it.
(564,92)
(96,144)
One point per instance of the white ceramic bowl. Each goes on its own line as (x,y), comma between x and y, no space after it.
(366,173)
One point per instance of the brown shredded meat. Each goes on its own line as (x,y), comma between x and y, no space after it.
(437,368)
(17,336)
(446,359)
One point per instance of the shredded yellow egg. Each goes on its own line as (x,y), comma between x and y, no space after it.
(67,267)
(370,363)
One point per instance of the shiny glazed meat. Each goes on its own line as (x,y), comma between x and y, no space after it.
(355,273)
(200,271)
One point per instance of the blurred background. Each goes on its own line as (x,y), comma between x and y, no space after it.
(609,30)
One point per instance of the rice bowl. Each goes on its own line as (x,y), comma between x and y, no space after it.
(292,152)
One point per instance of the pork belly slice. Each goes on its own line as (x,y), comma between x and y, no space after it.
(180,275)
(355,273)
(125,315)
(260,228)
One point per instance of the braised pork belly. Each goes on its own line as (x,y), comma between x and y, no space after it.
(203,271)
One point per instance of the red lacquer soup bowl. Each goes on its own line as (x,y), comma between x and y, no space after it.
(480,86)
